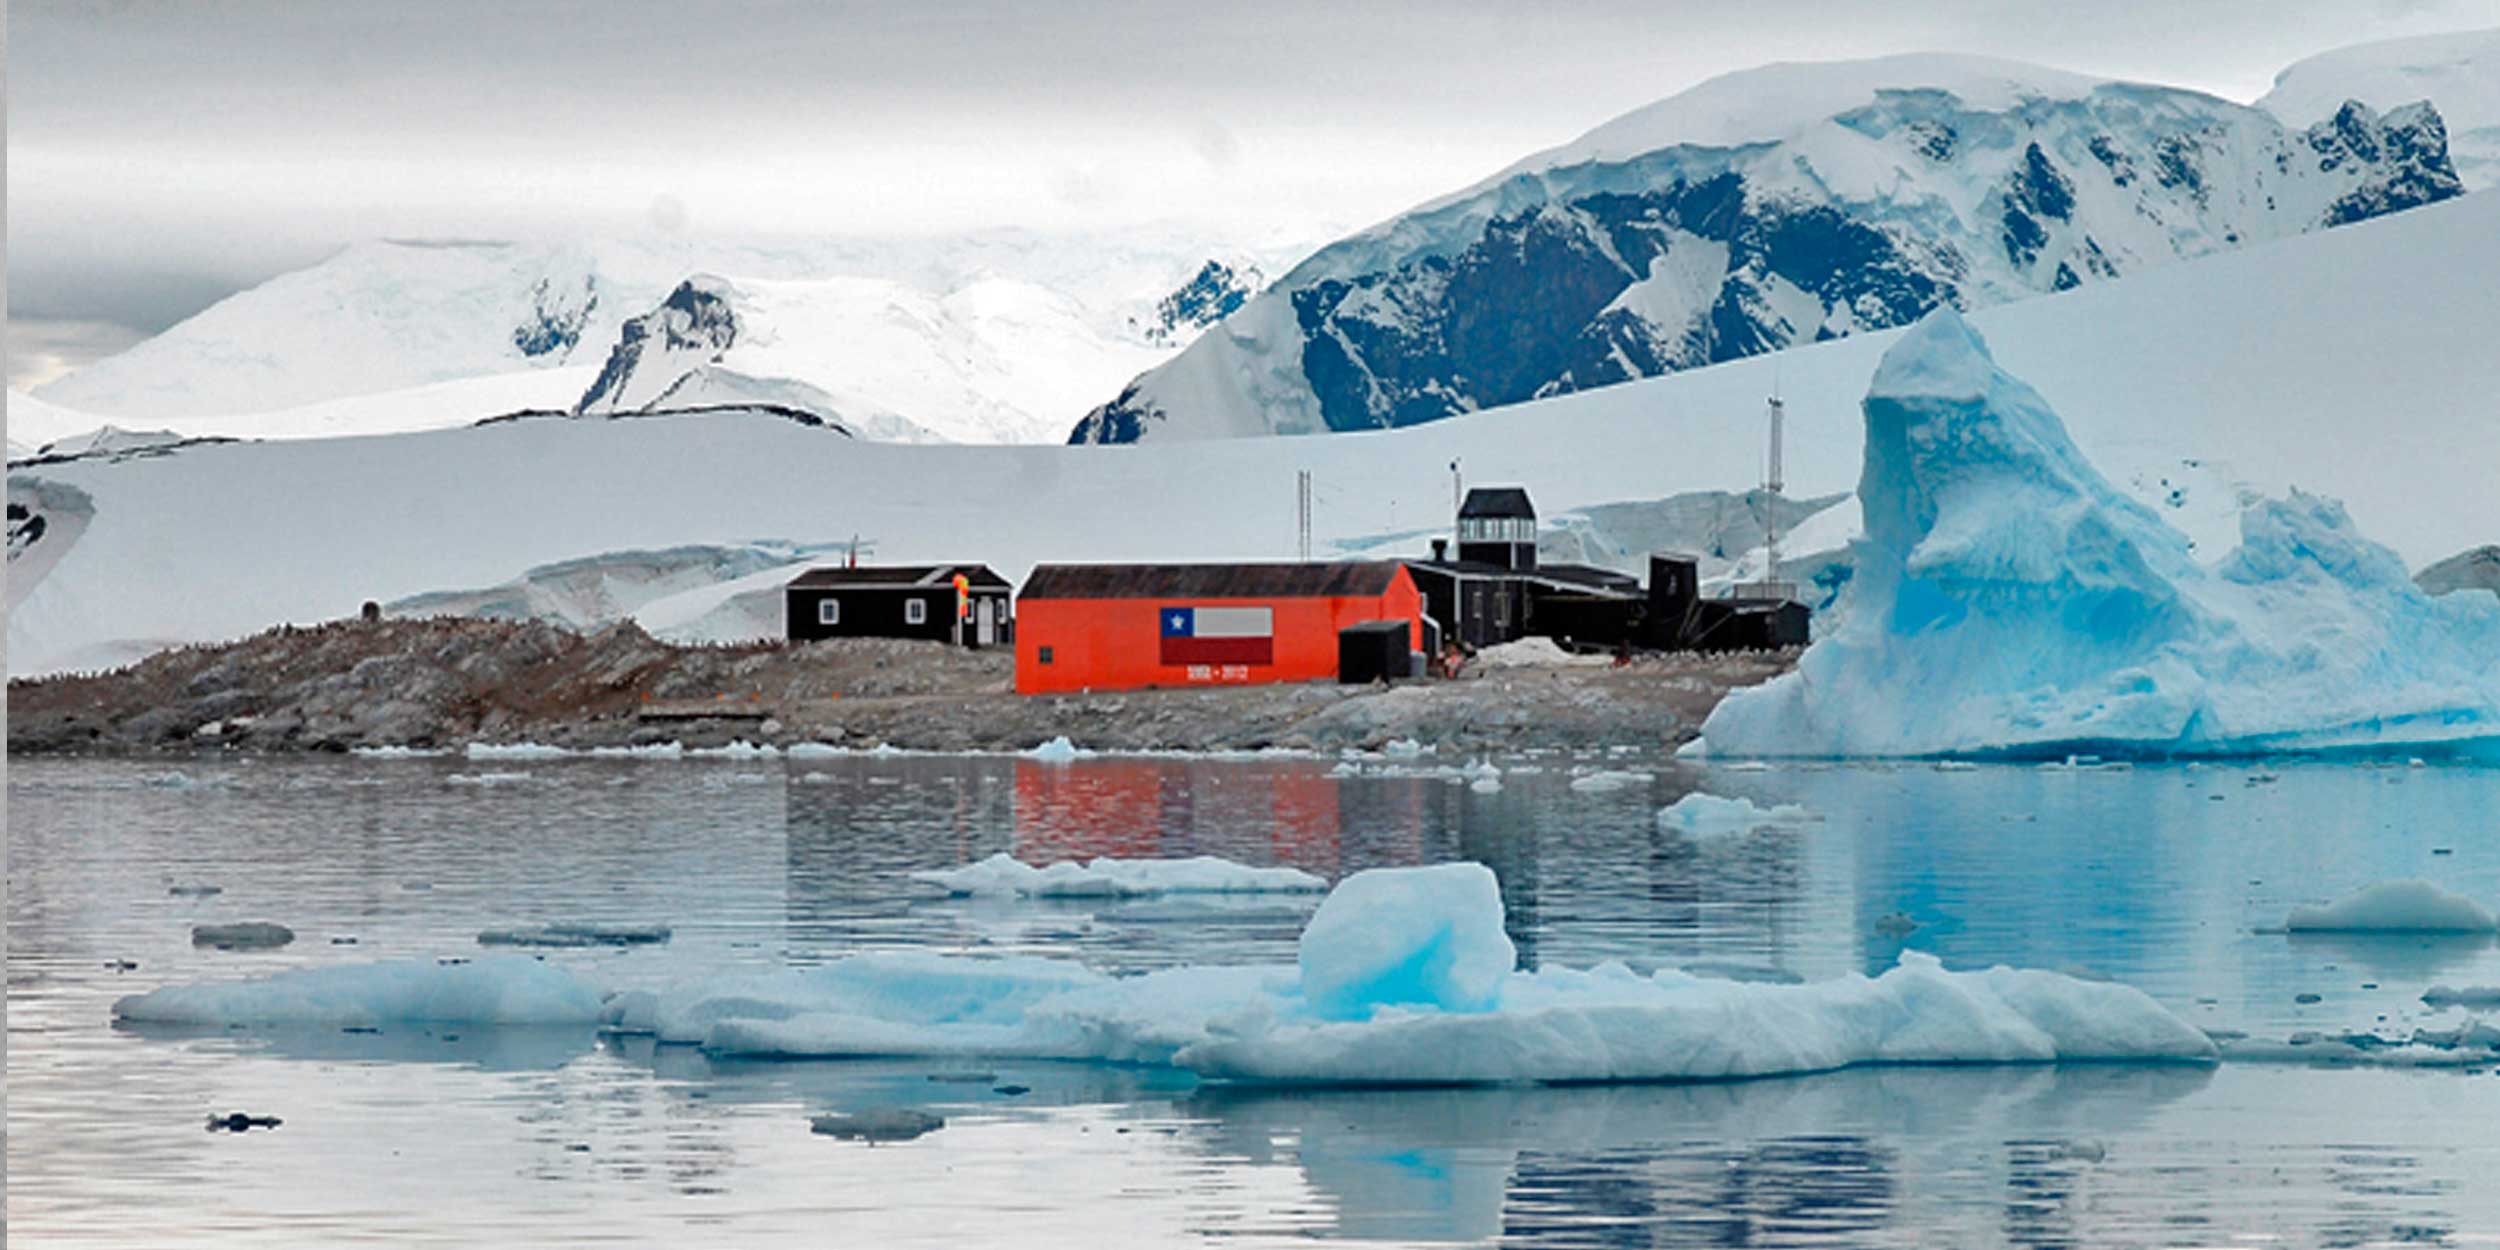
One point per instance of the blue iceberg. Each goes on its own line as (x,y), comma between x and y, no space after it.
(2009,600)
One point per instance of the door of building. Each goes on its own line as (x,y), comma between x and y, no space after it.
(985,621)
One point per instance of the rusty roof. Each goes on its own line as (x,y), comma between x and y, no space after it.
(1210,581)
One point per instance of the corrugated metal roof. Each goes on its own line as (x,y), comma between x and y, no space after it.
(1497,501)
(893,575)
(1209,581)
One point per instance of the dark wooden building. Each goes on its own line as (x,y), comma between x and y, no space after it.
(900,601)
(1496,591)
(1752,618)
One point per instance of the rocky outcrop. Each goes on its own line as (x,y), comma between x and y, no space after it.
(655,351)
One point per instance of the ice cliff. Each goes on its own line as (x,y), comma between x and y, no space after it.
(2009,599)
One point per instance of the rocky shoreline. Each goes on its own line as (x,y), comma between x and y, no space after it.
(447,683)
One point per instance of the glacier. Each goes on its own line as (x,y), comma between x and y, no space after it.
(1404,976)
(2009,599)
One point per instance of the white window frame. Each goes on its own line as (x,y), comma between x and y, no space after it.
(915,611)
(828,611)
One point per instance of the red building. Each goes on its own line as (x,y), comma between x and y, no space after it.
(1129,626)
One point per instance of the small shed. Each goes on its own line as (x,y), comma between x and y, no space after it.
(1375,651)
(1133,626)
(901,601)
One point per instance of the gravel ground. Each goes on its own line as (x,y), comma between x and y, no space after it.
(448,682)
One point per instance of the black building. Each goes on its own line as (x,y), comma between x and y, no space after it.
(1496,591)
(900,601)
(1497,525)
(1752,618)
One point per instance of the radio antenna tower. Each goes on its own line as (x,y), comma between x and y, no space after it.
(1773,483)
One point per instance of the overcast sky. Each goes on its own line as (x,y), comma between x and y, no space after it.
(162,155)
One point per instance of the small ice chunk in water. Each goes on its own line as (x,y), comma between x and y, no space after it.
(1057,751)
(1608,779)
(2411,906)
(1409,936)
(1699,813)
(1004,874)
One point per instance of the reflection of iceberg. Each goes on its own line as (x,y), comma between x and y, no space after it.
(1448,1164)
(2007,597)
(506,1048)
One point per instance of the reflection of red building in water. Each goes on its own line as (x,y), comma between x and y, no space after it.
(1130,626)
(1162,808)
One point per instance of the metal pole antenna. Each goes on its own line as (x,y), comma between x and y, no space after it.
(1779,413)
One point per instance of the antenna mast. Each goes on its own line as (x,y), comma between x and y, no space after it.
(1302,511)
(1774,484)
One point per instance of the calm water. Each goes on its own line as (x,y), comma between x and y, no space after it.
(2157,877)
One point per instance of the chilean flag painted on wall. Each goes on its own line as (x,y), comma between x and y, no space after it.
(1219,635)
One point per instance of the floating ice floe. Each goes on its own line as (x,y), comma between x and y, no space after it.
(2470,1045)
(1699,814)
(1056,751)
(1004,874)
(642,751)
(1607,779)
(738,750)
(1404,976)
(2395,907)
(576,935)
(2008,598)
(505,989)
(515,751)
(396,753)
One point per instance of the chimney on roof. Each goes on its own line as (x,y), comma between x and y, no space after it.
(1440,550)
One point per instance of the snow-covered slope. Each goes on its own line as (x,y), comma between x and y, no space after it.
(2007,597)
(2458,73)
(33,423)
(1781,205)
(985,338)
(995,361)
(2355,362)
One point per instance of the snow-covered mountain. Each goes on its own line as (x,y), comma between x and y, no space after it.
(1781,205)
(992,337)
(2458,73)
(2354,362)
